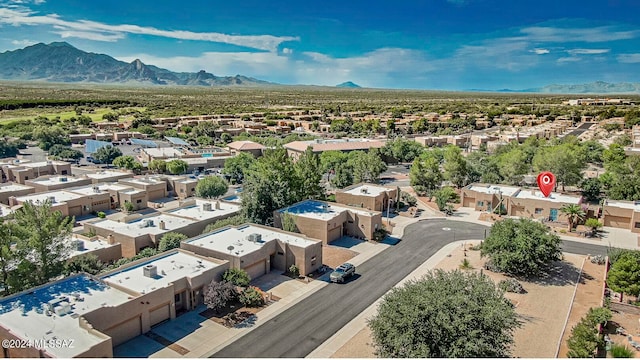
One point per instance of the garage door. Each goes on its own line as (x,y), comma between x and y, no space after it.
(617,221)
(159,315)
(256,270)
(469,202)
(75,211)
(125,331)
(334,234)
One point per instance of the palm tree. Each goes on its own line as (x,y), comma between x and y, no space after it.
(574,213)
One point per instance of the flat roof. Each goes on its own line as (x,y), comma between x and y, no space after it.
(142,181)
(25,316)
(165,152)
(5,210)
(114,187)
(237,238)
(367,190)
(88,190)
(54,180)
(171,267)
(494,189)
(197,211)
(137,228)
(321,210)
(635,206)
(107,174)
(14,187)
(43,163)
(89,246)
(58,197)
(553,197)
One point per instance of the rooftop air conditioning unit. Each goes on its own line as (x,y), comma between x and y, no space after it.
(96,189)
(52,199)
(206,207)
(150,271)
(255,238)
(63,179)
(363,190)
(79,245)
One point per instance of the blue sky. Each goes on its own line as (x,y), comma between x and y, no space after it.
(421,44)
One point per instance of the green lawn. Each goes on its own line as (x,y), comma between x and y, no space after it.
(9,116)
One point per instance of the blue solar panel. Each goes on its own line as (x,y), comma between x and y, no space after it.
(91,146)
(145,143)
(176,141)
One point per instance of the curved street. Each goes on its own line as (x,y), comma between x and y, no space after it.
(300,329)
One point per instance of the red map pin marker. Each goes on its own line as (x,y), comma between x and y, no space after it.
(546,182)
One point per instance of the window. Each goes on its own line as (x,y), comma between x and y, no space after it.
(538,211)
(637,225)
(193,189)
(313,258)
(177,298)
(138,201)
(64,172)
(480,203)
(280,253)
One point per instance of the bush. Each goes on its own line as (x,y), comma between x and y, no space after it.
(408,198)
(512,286)
(380,234)
(252,297)
(294,270)
(598,259)
(621,351)
(465,265)
(101,214)
(237,277)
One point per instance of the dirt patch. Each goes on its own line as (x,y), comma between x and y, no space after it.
(542,319)
(333,256)
(236,314)
(588,295)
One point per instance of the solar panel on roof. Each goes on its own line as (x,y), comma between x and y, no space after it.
(91,146)
(145,143)
(176,141)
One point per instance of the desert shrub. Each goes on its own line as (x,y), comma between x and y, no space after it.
(621,351)
(294,270)
(101,214)
(598,259)
(512,286)
(252,297)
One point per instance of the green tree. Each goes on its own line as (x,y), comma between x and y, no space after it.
(236,167)
(64,152)
(443,315)
(584,339)
(7,255)
(367,166)
(252,297)
(268,186)
(444,196)
(455,166)
(237,277)
(211,187)
(343,176)
(591,189)
(624,275)
(157,166)
(88,263)
(288,222)
(219,295)
(177,166)
(564,161)
(41,243)
(127,162)
(309,174)
(425,176)
(47,136)
(574,213)
(512,165)
(521,247)
(171,240)
(593,224)
(235,220)
(106,154)
(404,150)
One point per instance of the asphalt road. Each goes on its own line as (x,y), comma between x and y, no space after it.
(302,328)
(582,128)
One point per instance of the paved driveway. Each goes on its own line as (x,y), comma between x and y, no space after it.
(299,330)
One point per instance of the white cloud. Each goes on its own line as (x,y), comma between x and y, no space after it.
(591,35)
(23,43)
(568,59)
(540,51)
(587,51)
(94,30)
(629,58)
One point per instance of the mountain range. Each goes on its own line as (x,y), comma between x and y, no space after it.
(61,62)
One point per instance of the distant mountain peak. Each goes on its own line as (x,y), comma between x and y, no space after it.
(348,84)
(60,44)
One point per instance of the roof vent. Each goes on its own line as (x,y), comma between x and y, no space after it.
(150,271)
(162,225)
(206,207)
(79,245)
(254,237)
(364,190)
(52,199)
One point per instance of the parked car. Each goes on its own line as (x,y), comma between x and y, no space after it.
(342,273)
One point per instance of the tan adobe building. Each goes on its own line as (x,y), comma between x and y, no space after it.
(484,197)
(136,232)
(155,188)
(106,250)
(67,202)
(101,313)
(103,176)
(250,147)
(318,146)
(258,249)
(430,141)
(330,221)
(622,214)
(13,190)
(57,182)
(181,187)
(369,196)
(22,170)
(120,194)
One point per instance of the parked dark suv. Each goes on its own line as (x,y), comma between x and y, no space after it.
(342,272)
